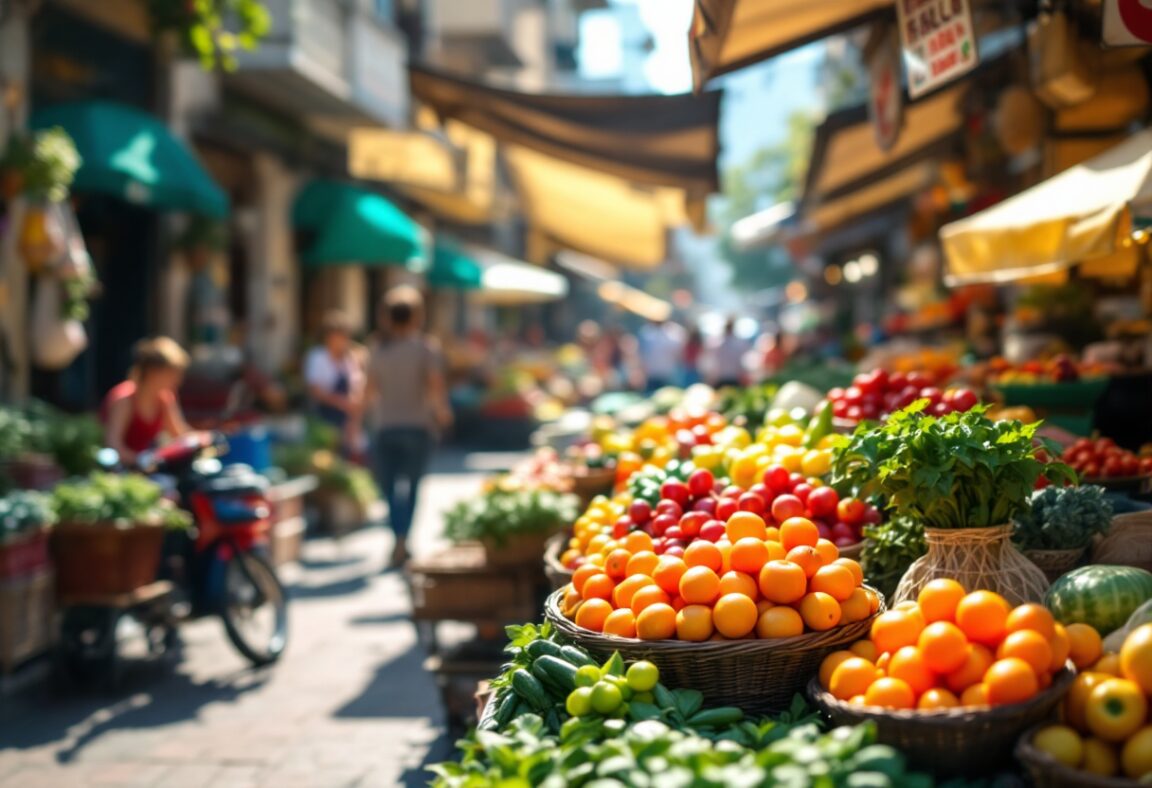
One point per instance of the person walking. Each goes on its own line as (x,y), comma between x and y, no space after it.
(408,404)
(724,358)
(661,352)
(693,349)
(335,379)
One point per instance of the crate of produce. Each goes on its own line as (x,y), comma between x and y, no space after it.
(27,613)
(458,584)
(105,558)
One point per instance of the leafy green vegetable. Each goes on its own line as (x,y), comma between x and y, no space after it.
(23,511)
(1063,518)
(962,470)
(498,515)
(889,549)
(124,498)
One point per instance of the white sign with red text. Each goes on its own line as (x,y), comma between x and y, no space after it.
(938,40)
(1128,23)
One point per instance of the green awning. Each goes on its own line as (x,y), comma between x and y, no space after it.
(132,155)
(453,268)
(356,226)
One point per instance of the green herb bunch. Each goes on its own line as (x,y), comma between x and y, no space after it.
(350,480)
(1063,518)
(962,470)
(22,511)
(128,499)
(51,165)
(498,515)
(889,549)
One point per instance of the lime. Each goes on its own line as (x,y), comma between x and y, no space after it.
(587,676)
(622,685)
(644,697)
(606,697)
(579,701)
(642,676)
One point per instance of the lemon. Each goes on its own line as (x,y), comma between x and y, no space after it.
(816,463)
(790,435)
(1099,758)
(1062,743)
(1137,754)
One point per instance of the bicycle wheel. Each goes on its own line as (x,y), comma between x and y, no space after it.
(255,610)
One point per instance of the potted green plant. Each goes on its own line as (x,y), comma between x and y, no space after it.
(1059,524)
(26,460)
(49,168)
(24,519)
(965,478)
(513,525)
(109,533)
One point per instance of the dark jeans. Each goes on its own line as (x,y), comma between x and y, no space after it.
(401,456)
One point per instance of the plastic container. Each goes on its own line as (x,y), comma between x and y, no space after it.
(251,446)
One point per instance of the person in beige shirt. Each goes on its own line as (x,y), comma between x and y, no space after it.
(407,402)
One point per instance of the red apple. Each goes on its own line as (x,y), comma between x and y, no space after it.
(851,511)
(823,502)
(824,531)
(670,508)
(802,491)
(872,515)
(706,505)
(751,502)
(662,522)
(725,508)
(700,482)
(844,531)
(640,511)
(713,531)
(673,532)
(777,478)
(786,506)
(692,522)
(675,549)
(621,528)
(675,490)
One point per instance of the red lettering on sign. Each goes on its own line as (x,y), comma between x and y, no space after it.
(1136,18)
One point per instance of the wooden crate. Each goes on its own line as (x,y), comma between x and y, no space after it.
(288,520)
(458,584)
(27,618)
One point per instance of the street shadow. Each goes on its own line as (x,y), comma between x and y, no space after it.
(385,618)
(345,585)
(330,563)
(442,749)
(399,688)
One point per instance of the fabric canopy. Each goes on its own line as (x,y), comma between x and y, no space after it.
(509,282)
(635,301)
(651,139)
(350,224)
(453,268)
(730,34)
(132,155)
(1079,216)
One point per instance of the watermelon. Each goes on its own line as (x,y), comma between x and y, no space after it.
(1103,596)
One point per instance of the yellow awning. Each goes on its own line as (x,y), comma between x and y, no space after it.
(1078,216)
(730,34)
(884,192)
(635,301)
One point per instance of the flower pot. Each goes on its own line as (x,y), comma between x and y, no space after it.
(1055,562)
(24,554)
(979,559)
(32,472)
(42,237)
(98,559)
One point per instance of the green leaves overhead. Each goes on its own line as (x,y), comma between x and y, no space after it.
(962,470)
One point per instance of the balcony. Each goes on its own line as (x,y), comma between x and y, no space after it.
(328,59)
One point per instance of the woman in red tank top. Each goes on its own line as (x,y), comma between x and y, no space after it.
(144,407)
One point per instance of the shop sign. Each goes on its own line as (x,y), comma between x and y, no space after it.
(1127,23)
(886,95)
(939,42)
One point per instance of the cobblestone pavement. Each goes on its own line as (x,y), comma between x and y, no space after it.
(348,705)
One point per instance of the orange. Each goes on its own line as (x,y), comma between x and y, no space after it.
(827,551)
(571,600)
(782,582)
(669,569)
(745,524)
(1085,645)
(836,581)
(873,599)
(734,615)
(938,599)
(581,575)
(1029,646)
(621,623)
(890,693)
(856,607)
(908,665)
(882,662)
(599,586)
(820,611)
(912,609)
(1010,680)
(865,649)
(806,558)
(694,623)
(642,563)
(858,700)
(895,629)
(830,663)
(853,567)
(1136,657)
(592,614)
(699,586)
(622,594)
(616,564)
(798,532)
(638,542)
(749,555)
(977,660)
(776,551)
(763,604)
(678,603)
(976,695)
(983,615)
(779,622)
(739,583)
(725,548)
(772,534)
(944,646)
(851,677)
(1061,648)
(1032,616)
(704,553)
(937,698)
(648,596)
(656,622)
(1109,663)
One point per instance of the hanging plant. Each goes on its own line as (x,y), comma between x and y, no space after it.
(213,30)
(50,166)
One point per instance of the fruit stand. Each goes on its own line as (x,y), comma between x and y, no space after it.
(911,602)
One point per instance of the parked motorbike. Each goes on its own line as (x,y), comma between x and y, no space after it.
(219,568)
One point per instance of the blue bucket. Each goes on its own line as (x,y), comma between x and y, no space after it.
(251,446)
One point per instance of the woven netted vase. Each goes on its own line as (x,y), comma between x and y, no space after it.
(977,558)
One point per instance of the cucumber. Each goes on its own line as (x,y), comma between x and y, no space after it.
(505,710)
(529,688)
(576,656)
(555,671)
(715,718)
(540,648)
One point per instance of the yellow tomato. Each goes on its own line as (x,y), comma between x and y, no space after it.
(1116,709)
(1099,758)
(790,435)
(1061,742)
(1136,657)
(1137,754)
(816,463)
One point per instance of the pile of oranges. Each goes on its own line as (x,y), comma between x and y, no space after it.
(757,581)
(951,648)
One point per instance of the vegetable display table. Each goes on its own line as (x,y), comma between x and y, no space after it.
(288,521)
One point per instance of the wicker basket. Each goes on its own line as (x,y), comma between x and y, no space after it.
(759,676)
(950,741)
(1128,543)
(105,558)
(1055,563)
(558,574)
(593,482)
(853,551)
(1050,773)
